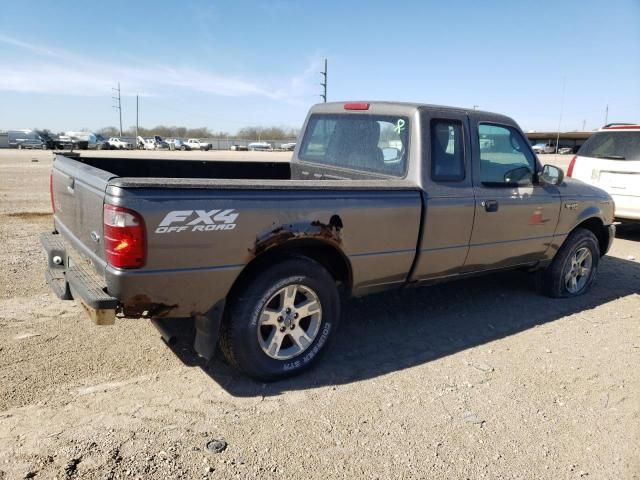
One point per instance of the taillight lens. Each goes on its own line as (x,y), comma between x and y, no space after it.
(571,165)
(53,204)
(124,238)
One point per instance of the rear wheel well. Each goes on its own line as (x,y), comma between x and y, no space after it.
(325,254)
(596,226)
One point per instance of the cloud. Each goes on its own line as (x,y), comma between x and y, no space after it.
(40,69)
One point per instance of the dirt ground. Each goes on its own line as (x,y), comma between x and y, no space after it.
(482,378)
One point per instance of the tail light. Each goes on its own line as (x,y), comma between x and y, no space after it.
(53,203)
(124,239)
(571,165)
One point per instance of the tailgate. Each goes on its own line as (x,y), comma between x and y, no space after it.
(78,193)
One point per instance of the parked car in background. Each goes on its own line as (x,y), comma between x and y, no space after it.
(290,147)
(196,144)
(565,150)
(264,146)
(543,148)
(152,143)
(86,140)
(119,144)
(238,148)
(22,139)
(177,144)
(610,159)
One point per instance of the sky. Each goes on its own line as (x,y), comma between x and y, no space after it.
(227,64)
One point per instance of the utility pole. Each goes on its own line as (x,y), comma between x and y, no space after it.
(564,81)
(475,107)
(119,105)
(606,114)
(584,124)
(137,109)
(324,84)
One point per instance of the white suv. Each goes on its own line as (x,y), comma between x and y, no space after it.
(610,159)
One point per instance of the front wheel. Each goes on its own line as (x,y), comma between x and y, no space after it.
(281,320)
(574,267)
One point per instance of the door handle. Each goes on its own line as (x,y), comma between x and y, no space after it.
(490,205)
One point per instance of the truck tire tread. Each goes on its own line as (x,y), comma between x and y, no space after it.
(238,336)
(550,280)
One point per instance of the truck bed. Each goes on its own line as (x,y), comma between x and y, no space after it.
(171,168)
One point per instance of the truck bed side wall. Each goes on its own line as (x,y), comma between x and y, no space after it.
(195,256)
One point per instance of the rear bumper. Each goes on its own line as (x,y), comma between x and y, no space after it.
(72,278)
(627,207)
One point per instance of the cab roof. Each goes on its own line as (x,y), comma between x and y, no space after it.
(379,107)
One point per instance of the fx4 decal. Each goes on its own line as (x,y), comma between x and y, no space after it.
(197,221)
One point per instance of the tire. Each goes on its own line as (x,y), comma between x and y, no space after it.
(246,345)
(183,148)
(555,280)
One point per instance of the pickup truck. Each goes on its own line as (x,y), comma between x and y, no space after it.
(377,196)
(195,144)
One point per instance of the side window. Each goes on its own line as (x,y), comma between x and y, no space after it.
(505,158)
(447,151)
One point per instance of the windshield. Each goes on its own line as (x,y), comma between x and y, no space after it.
(374,143)
(614,145)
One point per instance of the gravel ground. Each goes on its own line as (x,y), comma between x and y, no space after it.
(481,378)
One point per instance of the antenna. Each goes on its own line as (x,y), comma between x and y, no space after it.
(119,105)
(606,115)
(324,84)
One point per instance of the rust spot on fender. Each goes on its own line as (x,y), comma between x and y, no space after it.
(329,232)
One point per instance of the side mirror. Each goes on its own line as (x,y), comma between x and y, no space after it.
(520,176)
(551,175)
(391,155)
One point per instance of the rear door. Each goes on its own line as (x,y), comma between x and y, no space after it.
(78,193)
(448,198)
(515,218)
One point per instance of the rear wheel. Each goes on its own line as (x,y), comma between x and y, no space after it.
(281,320)
(574,267)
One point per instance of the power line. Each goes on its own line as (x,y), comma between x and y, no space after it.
(119,105)
(324,84)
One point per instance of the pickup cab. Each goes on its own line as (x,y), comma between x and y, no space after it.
(195,144)
(377,196)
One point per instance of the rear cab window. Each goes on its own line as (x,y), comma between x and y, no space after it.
(370,143)
(612,145)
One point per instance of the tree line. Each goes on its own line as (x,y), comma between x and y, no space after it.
(252,133)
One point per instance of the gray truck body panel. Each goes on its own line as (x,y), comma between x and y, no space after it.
(390,231)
